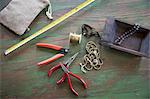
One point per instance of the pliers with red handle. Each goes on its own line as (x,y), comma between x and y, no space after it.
(65,67)
(62,52)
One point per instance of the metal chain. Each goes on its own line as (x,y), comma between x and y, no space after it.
(92,59)
(125,35)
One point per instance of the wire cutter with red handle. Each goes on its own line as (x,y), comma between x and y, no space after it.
(62,52)
(65,67)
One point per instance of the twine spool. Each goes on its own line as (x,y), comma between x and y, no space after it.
(75,38)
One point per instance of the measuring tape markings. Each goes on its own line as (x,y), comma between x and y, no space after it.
(49,26)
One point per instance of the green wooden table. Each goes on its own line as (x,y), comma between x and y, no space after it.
(123,76)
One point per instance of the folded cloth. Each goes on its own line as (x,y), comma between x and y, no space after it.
(19,14)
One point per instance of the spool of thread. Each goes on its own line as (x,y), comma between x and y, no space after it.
(75,38)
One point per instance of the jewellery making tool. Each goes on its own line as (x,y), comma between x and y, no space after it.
(61,53)
(65,67)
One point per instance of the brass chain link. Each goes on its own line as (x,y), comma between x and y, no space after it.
(92,59)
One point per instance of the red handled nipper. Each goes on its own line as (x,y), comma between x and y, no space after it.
(61,53)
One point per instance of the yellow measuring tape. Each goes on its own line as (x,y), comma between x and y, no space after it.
(49,26)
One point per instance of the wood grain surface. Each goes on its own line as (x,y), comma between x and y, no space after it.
(123,76)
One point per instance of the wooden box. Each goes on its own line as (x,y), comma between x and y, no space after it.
(137,44)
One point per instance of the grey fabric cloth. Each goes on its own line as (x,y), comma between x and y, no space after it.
(19,14)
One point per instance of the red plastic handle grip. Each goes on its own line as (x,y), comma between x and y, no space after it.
(76,76)
(70,85)
(62,79)
(52,46)
(50,59)
(53,69)
(63,76)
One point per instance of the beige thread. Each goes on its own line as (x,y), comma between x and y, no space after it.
(75,38)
